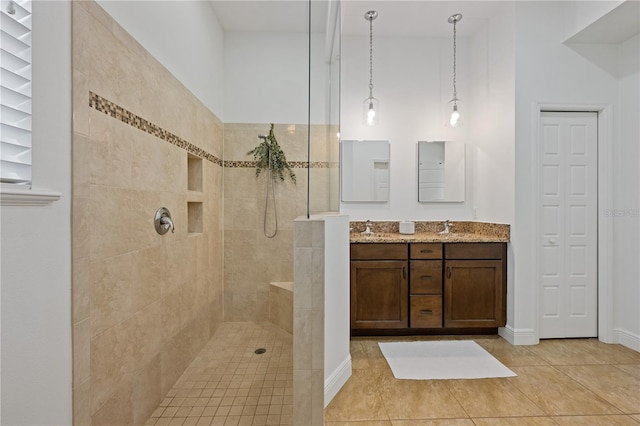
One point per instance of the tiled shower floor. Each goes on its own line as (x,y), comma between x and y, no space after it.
(229,384)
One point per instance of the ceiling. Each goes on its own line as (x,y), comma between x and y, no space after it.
(396,18)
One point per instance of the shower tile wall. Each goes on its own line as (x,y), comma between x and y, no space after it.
(143,304)
(251,260)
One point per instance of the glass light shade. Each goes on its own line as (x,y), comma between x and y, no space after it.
(454,118)
(370,111)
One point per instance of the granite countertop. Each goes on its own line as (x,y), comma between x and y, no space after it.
(428,232)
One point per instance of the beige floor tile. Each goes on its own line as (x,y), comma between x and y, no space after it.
(510,355)
(419,399)
(637,417)
(433,422)
(492,398)
(610,383)
(359,399)
(515,421)
(558,394)
(632,369)
(578,351)
(595,420)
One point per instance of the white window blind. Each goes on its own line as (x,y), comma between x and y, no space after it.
(15,92)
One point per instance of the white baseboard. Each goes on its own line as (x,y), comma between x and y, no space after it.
(518,337)
(336,380)
(630,340)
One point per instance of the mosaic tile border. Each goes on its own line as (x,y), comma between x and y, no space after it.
(239,164)
(103,105)
(114,110)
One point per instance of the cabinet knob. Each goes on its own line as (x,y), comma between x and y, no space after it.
(552,242)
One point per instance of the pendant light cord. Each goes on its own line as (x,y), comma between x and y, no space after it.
(371,58)
(455,92)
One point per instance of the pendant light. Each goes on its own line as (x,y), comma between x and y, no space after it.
(454,118)
(370,106)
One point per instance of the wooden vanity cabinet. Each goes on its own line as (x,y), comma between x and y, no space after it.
(410,288)
(379,286)
(475,285)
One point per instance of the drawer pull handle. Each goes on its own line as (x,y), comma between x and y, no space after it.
(426,312)
(404,272)
(426,251)
(426,277)
(448,271)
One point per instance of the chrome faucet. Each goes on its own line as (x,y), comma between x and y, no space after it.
(166,223)
(447,225)
(367,231)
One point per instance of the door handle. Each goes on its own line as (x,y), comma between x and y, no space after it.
(448,271)
(404,272)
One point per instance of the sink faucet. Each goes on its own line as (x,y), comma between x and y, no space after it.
(367,231)
(447,225)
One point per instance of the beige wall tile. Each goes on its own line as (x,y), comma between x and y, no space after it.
(80,99)
(81,352)
(81,289)
(82,404)
(146,391)
(81,159)
(112,280)
(108,222)
(81,226)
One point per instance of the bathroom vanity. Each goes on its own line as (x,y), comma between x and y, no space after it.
(429,283)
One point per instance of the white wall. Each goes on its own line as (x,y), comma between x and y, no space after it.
(492,121)
(267,78)
(580,14)
(412,79)
(626,199)
(36,244)
(546,72)
(184,36)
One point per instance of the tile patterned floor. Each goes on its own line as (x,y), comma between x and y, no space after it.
(559,382)
(229,384)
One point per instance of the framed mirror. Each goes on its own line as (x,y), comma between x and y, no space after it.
(441,171)
(364,171)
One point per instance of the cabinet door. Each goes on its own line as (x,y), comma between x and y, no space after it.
(379,294)
(474,293)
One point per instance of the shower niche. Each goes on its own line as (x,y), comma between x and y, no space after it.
(194,186)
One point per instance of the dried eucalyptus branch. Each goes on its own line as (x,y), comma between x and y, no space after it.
(268,154)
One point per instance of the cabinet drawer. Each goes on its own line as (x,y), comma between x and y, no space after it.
(426,277)
(426,311)
(474,251)
(379,251)
(426,251)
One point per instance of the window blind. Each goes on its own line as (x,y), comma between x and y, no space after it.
(15,92)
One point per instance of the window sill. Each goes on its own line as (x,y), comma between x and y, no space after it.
(27,197)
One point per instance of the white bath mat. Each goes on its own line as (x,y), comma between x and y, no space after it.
(442,359)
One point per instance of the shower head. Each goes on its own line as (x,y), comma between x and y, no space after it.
(263,137)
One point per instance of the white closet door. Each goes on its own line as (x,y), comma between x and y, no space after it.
(568,219)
